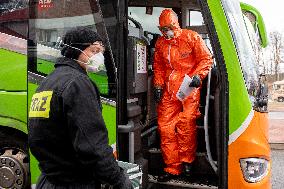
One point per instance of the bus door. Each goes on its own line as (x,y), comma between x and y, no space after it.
(138,138)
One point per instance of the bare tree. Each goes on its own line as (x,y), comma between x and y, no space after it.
(277,49)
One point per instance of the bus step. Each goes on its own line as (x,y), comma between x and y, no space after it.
(181,183)
(201,165)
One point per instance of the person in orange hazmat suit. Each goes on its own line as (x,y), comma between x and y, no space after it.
(178,52)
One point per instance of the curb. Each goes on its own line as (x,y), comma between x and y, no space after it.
(277,146)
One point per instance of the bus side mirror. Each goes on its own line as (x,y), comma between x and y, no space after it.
(262,93)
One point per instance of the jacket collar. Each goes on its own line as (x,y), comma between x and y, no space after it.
(63,61)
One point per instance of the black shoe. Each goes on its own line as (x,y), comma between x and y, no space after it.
(187,167)
(165,177)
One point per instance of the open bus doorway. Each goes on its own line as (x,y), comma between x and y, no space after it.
(143,24)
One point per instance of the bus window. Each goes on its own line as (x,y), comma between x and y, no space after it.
(13,47)
(148,22)
(51,23)
(243,46)
(253,35)
(197,24)
(14,18)
(196,18)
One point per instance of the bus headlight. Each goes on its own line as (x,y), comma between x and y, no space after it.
(254,169)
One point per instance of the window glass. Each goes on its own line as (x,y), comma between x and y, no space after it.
(13,48)
(149,23)
(243,44)
(14,17)
(196,18)
(51,22)
(7,6)
(253,35)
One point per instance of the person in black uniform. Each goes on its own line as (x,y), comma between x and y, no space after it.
(67,133)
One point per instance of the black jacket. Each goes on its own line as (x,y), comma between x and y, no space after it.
(67,133)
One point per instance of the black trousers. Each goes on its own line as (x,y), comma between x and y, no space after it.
(43,183)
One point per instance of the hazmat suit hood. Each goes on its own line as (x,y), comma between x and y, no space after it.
(168,18)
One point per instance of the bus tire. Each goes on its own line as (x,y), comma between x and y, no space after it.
(281,99)
(14,159)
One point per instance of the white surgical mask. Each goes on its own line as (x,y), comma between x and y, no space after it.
(96,63)
(170,34)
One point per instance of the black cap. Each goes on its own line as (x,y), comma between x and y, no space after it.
(79,37)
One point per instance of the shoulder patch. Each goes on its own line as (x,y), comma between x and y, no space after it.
(40,105)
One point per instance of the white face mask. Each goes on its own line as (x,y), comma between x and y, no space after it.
(170,34)
(96,63)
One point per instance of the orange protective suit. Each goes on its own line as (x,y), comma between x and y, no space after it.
(185,53)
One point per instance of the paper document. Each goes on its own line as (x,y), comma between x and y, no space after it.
(184,89)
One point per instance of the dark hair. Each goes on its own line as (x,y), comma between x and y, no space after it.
(79,37)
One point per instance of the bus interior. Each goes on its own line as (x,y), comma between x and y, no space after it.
(143,19)
(132,92)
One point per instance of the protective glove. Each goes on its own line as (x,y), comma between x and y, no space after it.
(158,92)
(125,185)
(196,81)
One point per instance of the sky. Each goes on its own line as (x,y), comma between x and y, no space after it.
(272,12)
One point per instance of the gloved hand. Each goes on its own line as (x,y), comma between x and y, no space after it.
(125,185)
(158,92)
(196,81)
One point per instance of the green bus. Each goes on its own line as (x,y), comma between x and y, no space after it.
(233,149)
(14,156)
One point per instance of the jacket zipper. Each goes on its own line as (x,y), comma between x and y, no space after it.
(169,59)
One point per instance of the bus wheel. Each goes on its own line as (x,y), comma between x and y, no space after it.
(280,99)
(14,164)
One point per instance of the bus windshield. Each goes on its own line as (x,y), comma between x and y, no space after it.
(243,44)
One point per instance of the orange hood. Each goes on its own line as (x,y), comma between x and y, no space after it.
(169,18)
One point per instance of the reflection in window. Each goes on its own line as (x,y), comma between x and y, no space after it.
(51,24)
(14,17)
(243,44)
(7,6)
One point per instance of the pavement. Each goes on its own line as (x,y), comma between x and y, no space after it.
(276,123)
(276,140)
(277,180)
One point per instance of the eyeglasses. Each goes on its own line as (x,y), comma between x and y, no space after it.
(165,28)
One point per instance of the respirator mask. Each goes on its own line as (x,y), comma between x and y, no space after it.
(170,34)
(95,62)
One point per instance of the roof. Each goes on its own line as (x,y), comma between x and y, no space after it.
(17,15)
